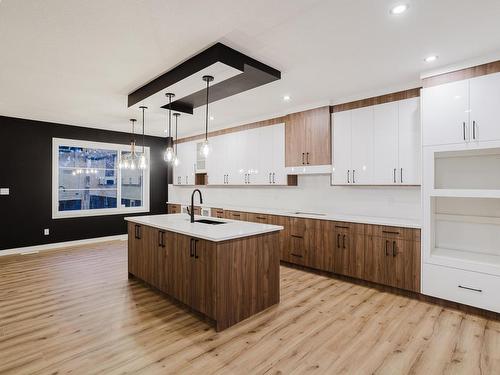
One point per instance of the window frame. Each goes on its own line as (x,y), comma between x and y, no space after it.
(119,148)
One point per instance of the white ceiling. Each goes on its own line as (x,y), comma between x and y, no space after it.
(74,62)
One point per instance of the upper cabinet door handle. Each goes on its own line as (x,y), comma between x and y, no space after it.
(307,158)
(353,176)
(269,177)
(464,130)
(394,175)
(348,172)
(303,158)
(274,175)
(474,129)
(401,175)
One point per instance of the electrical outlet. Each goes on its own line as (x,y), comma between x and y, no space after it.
(4,191)
(46,232)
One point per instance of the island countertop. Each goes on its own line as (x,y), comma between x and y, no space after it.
(180,223)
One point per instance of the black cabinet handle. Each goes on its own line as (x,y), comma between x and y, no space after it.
(474,129)
(296,236)
(464,129)
(341,226)
(394,175)
(338,240)
(348,171)
(386,248)
(269,177)
(191,247)
(343,241)
(307,158)
(401,175)
(296,255)
(196,249)
(274,175)
(389,232)
(138,232)
(394,249)
(473,289)
(161,238)
(353,176)
(303,158)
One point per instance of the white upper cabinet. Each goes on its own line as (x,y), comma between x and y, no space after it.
(250,157)
(409,144)
(466,111)
(184,173)
(377,145)
(485,108)
(362,146)
(445,115)
(341,146)
(385,143)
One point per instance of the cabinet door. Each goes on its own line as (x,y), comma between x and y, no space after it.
(405,265)
(189,168)
(181,263)
(485,107)
(362,146)
(377,259)
(257,155)
(317,136)
(294,139)
(216,161)
(284,235)
(278,176)
(341,148)
(236,148)
(445,116)
(385,144)
(134,248)
(409,147)
(203,277)
(318,244)
(297,251)
(349,247)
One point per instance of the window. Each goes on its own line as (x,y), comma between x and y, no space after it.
(87,181)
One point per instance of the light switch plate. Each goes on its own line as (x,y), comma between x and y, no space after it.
(4,191)
(46,232)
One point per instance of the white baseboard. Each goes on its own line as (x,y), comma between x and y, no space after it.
(58,245)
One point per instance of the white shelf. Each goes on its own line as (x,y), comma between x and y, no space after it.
(478,262)
(465,193)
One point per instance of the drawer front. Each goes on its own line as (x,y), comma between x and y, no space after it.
(397,233)
(466,287)
(217,212)
(348,228)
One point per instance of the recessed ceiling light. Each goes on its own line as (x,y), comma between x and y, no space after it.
(431,58)
(399,9)
(286,98)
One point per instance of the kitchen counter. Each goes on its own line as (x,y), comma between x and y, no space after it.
(180,223)
(361,219)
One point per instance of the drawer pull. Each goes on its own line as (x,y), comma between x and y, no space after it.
(295,236)
(394,249)
(341,227)
(261,217)
(338,240)
(386,248)
(343,241)
(389,232)
(473,289)
(296,255)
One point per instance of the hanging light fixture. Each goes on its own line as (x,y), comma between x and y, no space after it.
(169,152)
(130,160)
(142,160)
(205,148)
(176,158)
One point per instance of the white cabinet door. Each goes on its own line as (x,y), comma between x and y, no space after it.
(278,173)
(362,146)
(215,161)
(341,144)
(445,115)
(189,166)
(253,156)
(234,158)
(385,144)
(264,154)
(179,170)
(409,142)
(485,108)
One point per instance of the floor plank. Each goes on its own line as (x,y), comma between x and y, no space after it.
(75,311)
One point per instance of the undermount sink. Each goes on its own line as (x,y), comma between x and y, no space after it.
(207,221)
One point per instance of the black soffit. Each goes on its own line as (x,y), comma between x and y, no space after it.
(253,74)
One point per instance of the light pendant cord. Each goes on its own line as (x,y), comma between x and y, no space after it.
(175,142)
(206,113)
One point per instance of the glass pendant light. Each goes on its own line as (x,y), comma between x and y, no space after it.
(130,160)
(205,148)
(169,152)
(176,158)
(142,160)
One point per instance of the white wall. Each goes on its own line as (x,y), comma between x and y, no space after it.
(313,194)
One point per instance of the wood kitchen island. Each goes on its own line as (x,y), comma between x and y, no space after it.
(227,272)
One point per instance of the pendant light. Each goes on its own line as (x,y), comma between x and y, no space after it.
(205,148)
(142,160)
(169,152)
(176,158)
(130,160)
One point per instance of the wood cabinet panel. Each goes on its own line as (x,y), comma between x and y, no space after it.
(235,215)
(217,212)
(295,129)
(349,249)
(258,218)
(173,208)
(203,277)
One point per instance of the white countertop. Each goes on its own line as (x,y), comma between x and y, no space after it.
(361,219)
(180,223)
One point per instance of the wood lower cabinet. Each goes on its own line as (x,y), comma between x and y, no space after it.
(349,249)
(393,259)
(173,208)
(217,212)
(258,218)
(235,215)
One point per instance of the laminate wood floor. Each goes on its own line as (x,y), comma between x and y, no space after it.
(75,311)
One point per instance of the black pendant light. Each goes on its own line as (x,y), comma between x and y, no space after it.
(176,158)
(205,148)
(143,164)
(169,152)
(130,160)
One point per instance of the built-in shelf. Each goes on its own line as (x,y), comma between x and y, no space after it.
(465,193)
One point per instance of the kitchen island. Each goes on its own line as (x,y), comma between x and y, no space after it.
(226,270)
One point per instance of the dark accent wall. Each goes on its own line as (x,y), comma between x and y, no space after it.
(26,168)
